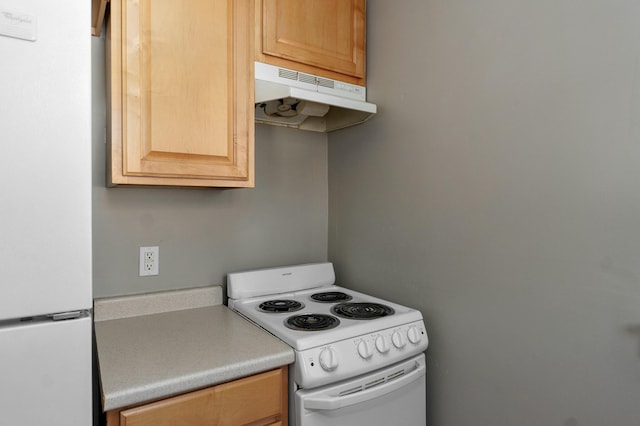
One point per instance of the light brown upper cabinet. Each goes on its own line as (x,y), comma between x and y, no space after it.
(320,37)
(180,92)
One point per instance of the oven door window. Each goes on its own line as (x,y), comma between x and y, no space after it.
(395,395)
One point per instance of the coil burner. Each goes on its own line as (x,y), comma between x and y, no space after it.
(279,305)
(331,297)
(362,311)
(312,322)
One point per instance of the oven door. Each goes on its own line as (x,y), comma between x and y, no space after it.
(395,395)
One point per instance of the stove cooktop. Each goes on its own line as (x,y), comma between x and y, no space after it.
(320,316)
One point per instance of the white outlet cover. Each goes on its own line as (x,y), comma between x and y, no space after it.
(149,261)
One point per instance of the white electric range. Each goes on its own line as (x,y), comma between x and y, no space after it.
(359,359)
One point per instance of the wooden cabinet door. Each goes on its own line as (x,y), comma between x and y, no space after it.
(182,92)
(326,34)
(256,400)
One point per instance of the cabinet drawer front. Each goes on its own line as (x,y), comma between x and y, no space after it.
(253,400)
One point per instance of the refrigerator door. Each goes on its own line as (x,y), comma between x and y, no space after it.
(45,165)
(45,371)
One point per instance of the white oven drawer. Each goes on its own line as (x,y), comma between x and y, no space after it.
(395,395)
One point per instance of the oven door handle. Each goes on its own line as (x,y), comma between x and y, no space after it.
(337,402)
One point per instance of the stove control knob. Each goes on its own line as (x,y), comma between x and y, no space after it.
(398,340)
(328,359)
(414,335)
(365,350)
(382,344)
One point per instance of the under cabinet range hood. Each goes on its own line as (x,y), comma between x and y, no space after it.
(303,101)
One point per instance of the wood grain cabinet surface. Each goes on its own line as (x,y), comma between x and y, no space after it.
(320,37)
(180,83)
(258,400)
(180,92)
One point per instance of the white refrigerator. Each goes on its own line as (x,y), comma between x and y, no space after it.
(45,213)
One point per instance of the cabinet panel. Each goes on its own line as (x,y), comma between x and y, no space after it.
(181,92)
(255,400)
(328,35)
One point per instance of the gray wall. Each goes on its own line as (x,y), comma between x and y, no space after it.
(205,233)
(498,190)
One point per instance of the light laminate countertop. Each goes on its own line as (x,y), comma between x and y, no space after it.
(160,354)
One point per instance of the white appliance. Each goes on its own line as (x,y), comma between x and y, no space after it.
(45,213)
(359,359)
(304,101)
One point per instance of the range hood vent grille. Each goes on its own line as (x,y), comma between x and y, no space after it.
(284,73)
(324,82)
(305,78)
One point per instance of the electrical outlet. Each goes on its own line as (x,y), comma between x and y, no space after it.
(149,261)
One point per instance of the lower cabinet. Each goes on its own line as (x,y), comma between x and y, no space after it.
(258,400)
